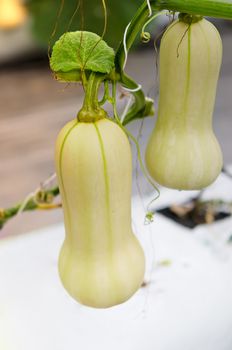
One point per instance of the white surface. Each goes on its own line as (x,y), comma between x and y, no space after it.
(185,306)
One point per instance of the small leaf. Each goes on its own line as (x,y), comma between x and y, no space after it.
(78,51)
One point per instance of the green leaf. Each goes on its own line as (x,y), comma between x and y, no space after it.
(78,51)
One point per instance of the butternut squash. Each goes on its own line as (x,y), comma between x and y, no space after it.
(183,152)
(101,263)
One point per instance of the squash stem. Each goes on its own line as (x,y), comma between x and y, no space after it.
(91,110)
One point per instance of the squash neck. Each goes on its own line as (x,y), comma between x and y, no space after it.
(91,110)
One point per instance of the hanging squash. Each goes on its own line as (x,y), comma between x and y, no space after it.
(183,152)
(101,262)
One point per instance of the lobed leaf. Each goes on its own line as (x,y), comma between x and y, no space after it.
(77,51)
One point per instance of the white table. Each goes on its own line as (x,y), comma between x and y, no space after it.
(186,305)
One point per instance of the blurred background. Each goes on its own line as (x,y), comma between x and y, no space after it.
(34,107)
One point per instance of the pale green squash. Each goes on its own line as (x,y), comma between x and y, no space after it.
(101,263)
(183,152)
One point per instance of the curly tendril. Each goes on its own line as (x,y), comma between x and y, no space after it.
(146,36)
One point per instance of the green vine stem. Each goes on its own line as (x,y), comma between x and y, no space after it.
(42,200)
(135,27)
(210,8)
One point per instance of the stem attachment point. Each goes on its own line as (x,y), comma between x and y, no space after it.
(189,19)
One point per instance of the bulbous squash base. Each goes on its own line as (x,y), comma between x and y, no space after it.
(184,161)
(105,280)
